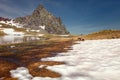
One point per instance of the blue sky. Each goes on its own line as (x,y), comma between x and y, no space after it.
(79,16)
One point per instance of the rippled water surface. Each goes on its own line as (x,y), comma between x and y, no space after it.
(8,39)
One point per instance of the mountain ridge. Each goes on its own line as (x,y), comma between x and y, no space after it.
(4,19)
(103,34)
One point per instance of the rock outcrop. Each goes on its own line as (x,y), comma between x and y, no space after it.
(42,20)
(4,19)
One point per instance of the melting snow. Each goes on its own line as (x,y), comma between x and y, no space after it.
(89,60)
(42,27)
(21,73)
(41,66)
(11,31)
(12,23)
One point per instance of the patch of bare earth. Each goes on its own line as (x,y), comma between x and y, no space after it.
(43,72)
(31,59)
(5,67)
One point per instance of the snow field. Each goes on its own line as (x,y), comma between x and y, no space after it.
(89,60)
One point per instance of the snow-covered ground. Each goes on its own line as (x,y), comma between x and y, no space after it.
(17,25)
(11,31)
(89,60)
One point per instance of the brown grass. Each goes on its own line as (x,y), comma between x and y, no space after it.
(29,55)
(10,79)
(43,72)
(2,33)
(104,34)
(5,67)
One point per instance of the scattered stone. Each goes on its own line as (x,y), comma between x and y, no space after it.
(81,39)
(12,46)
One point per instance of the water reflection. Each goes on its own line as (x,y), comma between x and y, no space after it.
(9,39)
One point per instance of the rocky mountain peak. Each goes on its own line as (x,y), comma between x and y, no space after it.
(40,11)
(42,17)
(40,7)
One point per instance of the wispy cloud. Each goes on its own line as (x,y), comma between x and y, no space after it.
(7,10)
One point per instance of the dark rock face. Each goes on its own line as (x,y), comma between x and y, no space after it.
(4,19)
(41,17)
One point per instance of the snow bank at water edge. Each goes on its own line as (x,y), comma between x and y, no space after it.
(89,60)
(11,31)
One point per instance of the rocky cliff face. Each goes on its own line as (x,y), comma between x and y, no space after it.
(42,18)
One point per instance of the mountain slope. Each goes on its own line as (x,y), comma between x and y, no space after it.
(104,34)
(42,18)
(4,19)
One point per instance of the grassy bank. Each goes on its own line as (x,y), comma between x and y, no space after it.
(2,33)
(104,34)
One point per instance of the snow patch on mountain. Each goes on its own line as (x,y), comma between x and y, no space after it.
(42,27)
(12,23)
